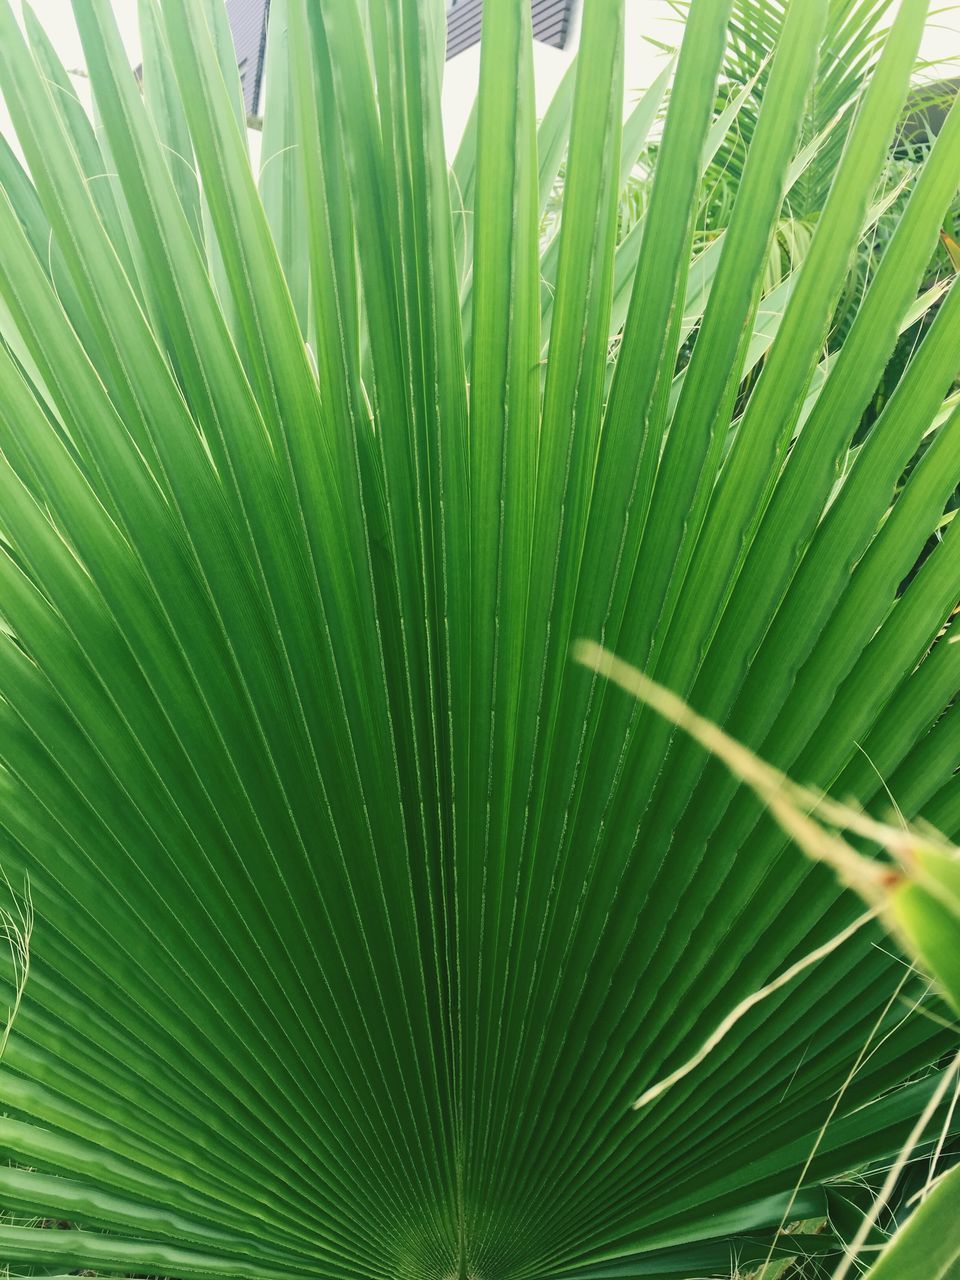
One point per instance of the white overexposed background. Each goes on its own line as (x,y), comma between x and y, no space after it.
(646,20)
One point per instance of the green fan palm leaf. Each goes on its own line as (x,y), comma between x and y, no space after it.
(362,914)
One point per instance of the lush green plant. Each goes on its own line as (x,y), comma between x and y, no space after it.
(851,43)
(363,915)
(915,889)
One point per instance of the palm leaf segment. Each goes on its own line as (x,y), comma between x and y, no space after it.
(362,915)
(852,40)
(853,36)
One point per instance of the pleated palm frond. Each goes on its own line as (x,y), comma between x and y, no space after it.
(916,889)
(362,914)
